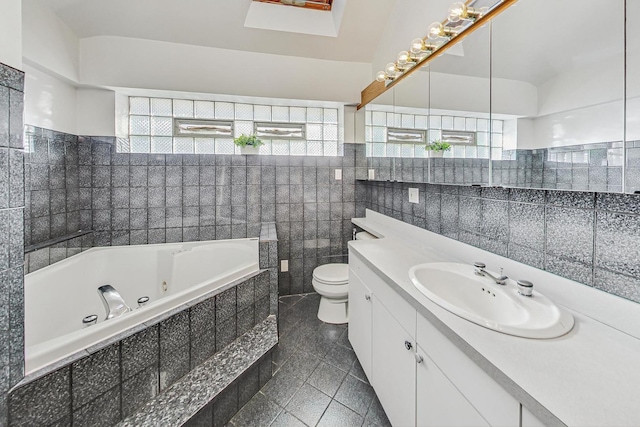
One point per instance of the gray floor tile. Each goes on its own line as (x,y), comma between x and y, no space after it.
(340,357)
(327,378)
(376,416)
(358,372)
(308,404)
(339,415)
(260,411)
(282,387)
(355,394)
(301,365)
(285,419)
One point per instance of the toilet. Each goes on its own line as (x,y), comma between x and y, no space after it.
(331,282)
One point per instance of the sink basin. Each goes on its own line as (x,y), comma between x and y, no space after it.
(456,288)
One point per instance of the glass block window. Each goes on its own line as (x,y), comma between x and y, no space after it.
(379,122)
(152,127)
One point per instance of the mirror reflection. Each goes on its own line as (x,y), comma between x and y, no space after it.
(566,100)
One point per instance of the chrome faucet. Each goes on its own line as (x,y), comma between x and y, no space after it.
(480,271)
(113,302)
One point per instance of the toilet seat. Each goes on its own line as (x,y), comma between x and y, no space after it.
(332,274)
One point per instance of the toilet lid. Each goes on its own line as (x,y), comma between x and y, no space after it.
(332,273)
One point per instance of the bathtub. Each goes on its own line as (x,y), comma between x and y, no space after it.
(59,296)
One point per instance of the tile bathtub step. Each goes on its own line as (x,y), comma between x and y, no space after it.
(177,404)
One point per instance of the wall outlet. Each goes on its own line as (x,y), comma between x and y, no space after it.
(338,174)
(413,195)
(284,265)
(372,174)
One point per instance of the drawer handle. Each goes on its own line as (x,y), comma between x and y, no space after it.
(408,345)
(367,297)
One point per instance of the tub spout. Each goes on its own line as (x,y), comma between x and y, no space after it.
(113,302)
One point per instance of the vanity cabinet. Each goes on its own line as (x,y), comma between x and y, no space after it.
(420,377)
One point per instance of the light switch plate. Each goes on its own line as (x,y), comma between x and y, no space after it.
(372,174)
(284,265)
(413,195)
(338,173)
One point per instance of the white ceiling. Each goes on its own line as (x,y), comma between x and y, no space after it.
(220,23)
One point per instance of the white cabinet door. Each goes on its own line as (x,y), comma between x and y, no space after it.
(394,367)
(360,320)
(439,403)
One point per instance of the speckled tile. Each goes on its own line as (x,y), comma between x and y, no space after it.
(248,385)
(301,364)
(245,320)
(327,378)
(204,418)
(226,304)
(285,419)
(203,317)
(626,203)
(570,233)
(225,333)
(139,351)
(574,199)
(618,284)
(139,389)
(41,401)
(470,213)
(259,412)
(526,255)
(527,225)
(339,415)
(449,215)
(207,380)
(618,242)
(95,374)
(495,219)
(226,405)
(308,404)
(525,195)
(570,269)
(376,415)
(104,411)
(173,366)
(245,294)
(498,193)
(355,394)
(203,347)
(262,285)
(340,356)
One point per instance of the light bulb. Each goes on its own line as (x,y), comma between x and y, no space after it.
(391,70)
(404,58)
(381,76)
(457,11)
(436,30)
(417,46)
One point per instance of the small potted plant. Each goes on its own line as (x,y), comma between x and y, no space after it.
(248,144)
(437,148)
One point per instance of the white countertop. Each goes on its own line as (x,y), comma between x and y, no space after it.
(590,376)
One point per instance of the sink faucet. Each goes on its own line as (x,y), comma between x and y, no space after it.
(480,271)
(113,302)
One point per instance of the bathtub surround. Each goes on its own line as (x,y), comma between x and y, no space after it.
(249,354)
(592,238)
(11,232)
(155,198)
(118,376)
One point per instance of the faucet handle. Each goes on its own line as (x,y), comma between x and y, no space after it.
(525,288)
(479,264)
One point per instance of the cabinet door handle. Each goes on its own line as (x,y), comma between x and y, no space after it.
(419,359)
(408,345)
(367,297)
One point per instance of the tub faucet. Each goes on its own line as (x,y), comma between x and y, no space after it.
(480,271)
(113,302)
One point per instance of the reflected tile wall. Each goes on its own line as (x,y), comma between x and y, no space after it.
(11,232)
(592,238)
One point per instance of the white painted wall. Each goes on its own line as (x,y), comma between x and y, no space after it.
(49,102)
(96,112)
(126,62)
(48,42)
(11,33)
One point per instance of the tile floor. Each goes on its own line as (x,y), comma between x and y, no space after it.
(317,379)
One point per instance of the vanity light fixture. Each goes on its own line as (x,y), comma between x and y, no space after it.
(459,11)
(421,51)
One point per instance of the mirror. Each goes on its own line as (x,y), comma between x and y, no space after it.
(545,83)
(558,81)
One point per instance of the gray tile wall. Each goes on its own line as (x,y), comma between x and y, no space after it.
(440,170)
(113,381)
(593,238)
(151,198)
(11,232)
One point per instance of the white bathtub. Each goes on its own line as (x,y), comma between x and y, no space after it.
(58,297)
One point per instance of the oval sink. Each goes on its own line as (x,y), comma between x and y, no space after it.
(456,288)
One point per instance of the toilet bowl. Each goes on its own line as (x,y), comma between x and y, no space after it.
(331,282)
